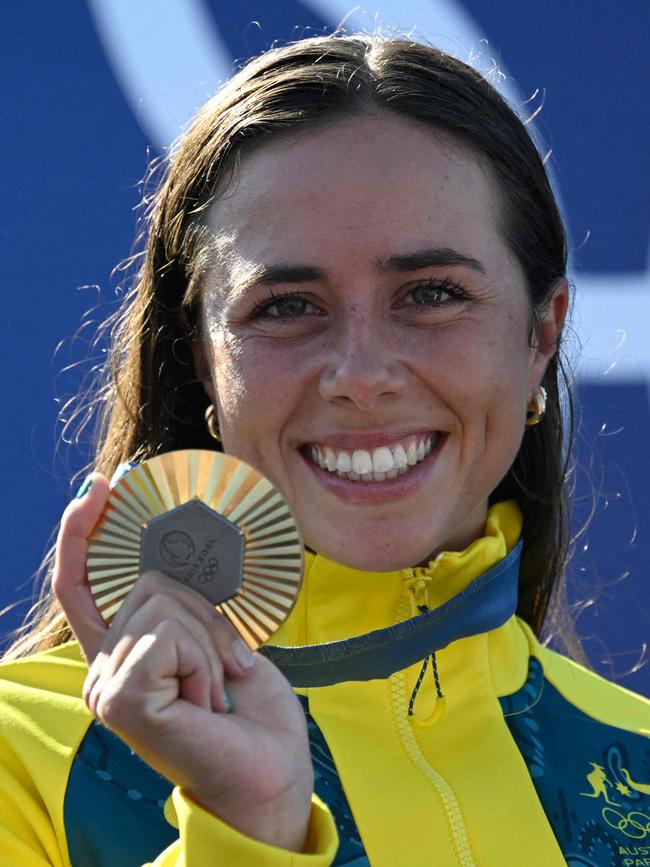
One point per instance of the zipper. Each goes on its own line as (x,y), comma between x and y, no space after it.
(416,589)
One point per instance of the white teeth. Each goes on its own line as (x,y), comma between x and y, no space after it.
(361,462)
(382,460)
(399,456)
(412,453)
(330,459)
(377,465)
(344,462)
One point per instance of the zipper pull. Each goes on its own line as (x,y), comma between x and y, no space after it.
(417,587)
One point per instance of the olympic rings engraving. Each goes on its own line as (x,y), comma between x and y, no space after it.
(635,825)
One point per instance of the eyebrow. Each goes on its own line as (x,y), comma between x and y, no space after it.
(281,272)
(270,275)
(430,258)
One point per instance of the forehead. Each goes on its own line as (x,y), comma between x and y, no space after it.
(356,187)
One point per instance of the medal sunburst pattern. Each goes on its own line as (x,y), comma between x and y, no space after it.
(273,554)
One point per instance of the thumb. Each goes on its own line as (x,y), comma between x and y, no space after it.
(69,578)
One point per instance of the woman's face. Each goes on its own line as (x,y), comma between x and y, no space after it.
(367,336)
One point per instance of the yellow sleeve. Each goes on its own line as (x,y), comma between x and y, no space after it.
(28,839)
(202,836)
(27,836)
(42,722)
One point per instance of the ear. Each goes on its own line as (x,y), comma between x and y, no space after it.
(547,332)
(201,364)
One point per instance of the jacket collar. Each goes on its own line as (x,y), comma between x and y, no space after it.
(345,628)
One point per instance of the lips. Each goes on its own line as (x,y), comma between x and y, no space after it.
(387,461)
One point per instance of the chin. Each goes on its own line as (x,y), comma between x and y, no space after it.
(390,559)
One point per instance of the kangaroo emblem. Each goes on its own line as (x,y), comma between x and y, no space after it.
(598,781)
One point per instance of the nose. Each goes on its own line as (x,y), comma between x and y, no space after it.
(362,369)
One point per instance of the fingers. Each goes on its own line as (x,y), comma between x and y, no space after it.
(158,609)
(236,658)
(158,599)
(69,578)
(162,666)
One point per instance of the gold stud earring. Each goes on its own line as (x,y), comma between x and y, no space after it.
(211,422)
(536,408)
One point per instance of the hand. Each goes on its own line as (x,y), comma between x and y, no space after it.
(156,678)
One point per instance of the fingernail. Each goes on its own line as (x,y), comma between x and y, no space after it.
(85,487)
(227,701)
(243,655)
(121,471)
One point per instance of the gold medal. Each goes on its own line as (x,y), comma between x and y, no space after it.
(211,522)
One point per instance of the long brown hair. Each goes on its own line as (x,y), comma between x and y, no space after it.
(148,399)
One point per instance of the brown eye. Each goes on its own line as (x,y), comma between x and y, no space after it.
(435,293)
(427,294)
(288,307)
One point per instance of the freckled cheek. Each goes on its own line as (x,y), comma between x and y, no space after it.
(455,366)
(498,387)
(478,378)
(258,393)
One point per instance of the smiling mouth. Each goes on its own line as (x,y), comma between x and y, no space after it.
(373,465)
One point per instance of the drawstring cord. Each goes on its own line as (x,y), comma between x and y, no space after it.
(418,589)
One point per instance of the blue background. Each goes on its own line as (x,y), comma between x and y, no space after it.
(72,156)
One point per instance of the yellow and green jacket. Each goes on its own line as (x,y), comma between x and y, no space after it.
(498,752)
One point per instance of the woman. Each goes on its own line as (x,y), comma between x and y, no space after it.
(356,265)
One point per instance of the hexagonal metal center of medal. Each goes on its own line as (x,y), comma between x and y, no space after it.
(198,547)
